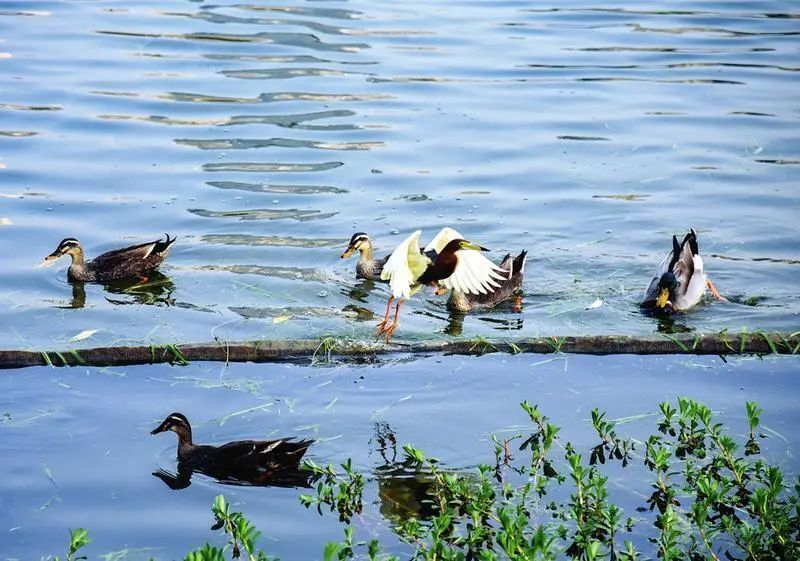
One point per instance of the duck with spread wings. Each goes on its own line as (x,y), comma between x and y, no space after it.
(448,262)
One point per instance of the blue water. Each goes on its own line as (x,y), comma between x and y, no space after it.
(77,451)
(263,136)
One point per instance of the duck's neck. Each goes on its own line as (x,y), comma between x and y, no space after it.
(77,258)
(366,253)
(458,301)
(184,438)
(366,262)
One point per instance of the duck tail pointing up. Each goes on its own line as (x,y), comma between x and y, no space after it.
(298,449)
(162,246)
(519,262)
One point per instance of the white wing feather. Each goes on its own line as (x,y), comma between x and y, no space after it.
(396,269)
(474,274)
(445,236)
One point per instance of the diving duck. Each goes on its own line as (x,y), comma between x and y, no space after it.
(457,265)
(509,288)
(680,282)
(117,264)
(242,460)
(367,267)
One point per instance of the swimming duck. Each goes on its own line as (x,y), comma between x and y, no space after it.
(456,264)
(680,282)
(117,264)
(240,460)
(509,288)
(367,267)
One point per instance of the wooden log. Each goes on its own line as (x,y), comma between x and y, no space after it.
(317,351)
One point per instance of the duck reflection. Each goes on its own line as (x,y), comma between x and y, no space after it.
(359,294)
(360,291)
(668,325)
(155,289)
(455,323)
(286,477)
(404,491)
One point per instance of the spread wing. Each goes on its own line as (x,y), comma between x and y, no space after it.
(400,268)
(441,239)
(474,274)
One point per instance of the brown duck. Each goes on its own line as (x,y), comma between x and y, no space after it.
(126,262)
(246,461)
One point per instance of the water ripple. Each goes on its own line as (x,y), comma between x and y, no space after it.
(273,241)
(304,40)
(290,121)
(274,188)
(286,73)
(249,143)
(265,214)
(270,166)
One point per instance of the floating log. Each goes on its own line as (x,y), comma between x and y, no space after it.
(318,351)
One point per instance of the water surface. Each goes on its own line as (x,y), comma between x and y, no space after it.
(263,136)
(77,451)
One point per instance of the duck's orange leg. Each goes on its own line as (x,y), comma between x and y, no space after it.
(517,307)
(388,332)
(382,325)
(714,292)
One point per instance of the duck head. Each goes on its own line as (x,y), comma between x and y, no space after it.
(358,242)
(178,423)
(667,285)
(68,246)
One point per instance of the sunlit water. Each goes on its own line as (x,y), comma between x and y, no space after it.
(77,451)
(264,135)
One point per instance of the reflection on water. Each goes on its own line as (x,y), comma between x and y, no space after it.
(403,489)
(359,291)
(154,289)
(287,477)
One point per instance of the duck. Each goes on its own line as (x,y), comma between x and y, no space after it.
(510,287)
(368,267)
(120,263)
(241,460)
(448,262)
(680,281)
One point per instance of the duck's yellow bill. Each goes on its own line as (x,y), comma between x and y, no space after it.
(348,252)
(663,298)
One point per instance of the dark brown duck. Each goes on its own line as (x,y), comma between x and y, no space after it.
(253,461)
(120,263)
